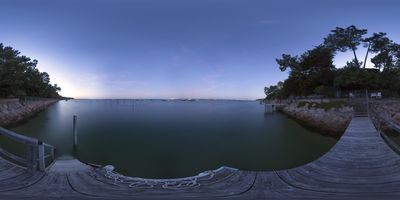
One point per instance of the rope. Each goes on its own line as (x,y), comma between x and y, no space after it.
(172,184)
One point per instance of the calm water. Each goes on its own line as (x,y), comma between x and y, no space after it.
(166,139)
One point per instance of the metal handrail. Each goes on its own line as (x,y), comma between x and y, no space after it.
(35,154)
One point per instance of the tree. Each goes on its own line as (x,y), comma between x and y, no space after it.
(344,39)
(390,81)
(313,72)
(288,61)
(19,76)
(312,69)
(350,78)
(381,45)
(396,52)
(274,91)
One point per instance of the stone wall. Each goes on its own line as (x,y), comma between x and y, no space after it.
(332,121)
(12,111)
(390,108)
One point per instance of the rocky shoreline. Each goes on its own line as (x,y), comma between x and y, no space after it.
(386,117)
(13,112)
(331,121)
(390,109)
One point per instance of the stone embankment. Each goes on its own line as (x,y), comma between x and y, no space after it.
(387,117)
(390,108)
(12,111)
(328,118)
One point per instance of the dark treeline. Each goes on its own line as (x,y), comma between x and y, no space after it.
(313,72)
(19,76)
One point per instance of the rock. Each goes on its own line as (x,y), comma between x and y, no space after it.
(13,113)
(396,118)
(331,122)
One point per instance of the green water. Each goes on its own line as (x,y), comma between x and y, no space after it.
(169,139)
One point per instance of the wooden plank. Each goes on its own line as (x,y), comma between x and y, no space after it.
(13,157)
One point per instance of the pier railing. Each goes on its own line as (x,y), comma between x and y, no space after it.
(386,127)
(37,153)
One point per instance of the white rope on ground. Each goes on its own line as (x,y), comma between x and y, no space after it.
(172,184)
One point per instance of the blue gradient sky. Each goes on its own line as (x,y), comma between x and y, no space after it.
(178,48)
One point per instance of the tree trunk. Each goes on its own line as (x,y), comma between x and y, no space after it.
(355,57)
(366,55)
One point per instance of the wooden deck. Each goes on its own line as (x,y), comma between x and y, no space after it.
(359,166)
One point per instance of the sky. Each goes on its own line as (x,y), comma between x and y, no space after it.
(220,49)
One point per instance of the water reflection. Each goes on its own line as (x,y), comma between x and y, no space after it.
(167,139)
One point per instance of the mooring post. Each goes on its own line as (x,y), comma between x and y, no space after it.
(75,131)
(41,158)
(367,101)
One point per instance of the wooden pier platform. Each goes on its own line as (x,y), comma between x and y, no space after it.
(360,166)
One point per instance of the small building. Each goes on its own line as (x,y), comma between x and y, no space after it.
(376,95)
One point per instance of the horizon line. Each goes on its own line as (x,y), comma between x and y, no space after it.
(170,99)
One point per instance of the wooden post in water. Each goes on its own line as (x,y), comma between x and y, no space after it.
(41,159)
(75,132)
(366,94)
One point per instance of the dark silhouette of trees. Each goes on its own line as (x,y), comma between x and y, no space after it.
(313,69)
(313,73)
(19,76)
(344,39)
(351,78)
(379,44)
(274,91)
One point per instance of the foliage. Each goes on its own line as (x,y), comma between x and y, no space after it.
(312,69)
(384,48)
(344,39)
(313,73)
(350,78)
(323,90)
(323,105)
(19,76)
(274,91)
(390,81)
